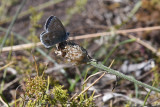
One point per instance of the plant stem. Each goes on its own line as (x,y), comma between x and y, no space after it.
(121,75)
(145,100)
(114,48)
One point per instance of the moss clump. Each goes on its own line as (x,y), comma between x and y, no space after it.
(37,93)
(60,95)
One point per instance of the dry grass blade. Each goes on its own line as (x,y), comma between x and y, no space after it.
(11,83)
(73,96)
(97,96)
(36,67)
(96,73)
(92,76)
(6,65)
(90,85)
(148,46)
(1,99)
(94,82)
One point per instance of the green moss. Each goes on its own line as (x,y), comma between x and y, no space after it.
(38,94)
(60,95)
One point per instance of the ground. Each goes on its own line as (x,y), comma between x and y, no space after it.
(81,17)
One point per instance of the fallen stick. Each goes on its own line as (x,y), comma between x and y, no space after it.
(30,45)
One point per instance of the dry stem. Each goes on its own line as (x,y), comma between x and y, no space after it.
(30,45)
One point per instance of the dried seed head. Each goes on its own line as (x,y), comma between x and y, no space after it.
(72,53)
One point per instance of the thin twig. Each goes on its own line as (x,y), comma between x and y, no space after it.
(73,96)
(6,65)
(21,47)
(91,85)
(92,76)
(94,81)
(148,46)
(116,32)
(30,45)
(1,99)
(11,83)
(12,23)
(97,73)
(97,96)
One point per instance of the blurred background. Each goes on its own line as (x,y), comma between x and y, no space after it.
(135,50)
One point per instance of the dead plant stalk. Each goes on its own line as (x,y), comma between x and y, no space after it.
(125,32)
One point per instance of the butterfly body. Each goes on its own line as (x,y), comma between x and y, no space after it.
(54,32)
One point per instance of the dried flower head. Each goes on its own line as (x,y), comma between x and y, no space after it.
(72,52)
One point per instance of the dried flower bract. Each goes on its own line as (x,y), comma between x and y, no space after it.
(72,52)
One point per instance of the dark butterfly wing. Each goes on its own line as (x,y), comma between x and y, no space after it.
(48,39)
(55,32)
(54,24)
(44,38)
(48,21)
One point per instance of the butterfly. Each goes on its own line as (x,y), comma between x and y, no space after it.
(54,32)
